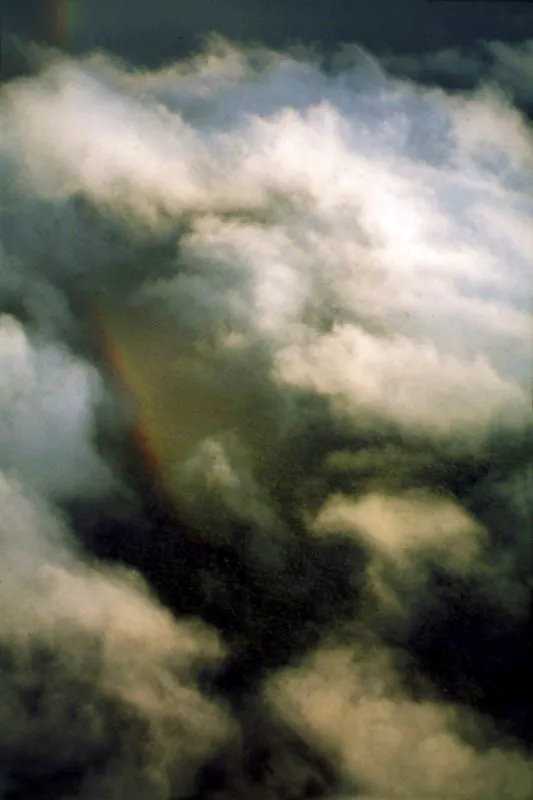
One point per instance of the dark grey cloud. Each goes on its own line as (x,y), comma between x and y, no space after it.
(508,66)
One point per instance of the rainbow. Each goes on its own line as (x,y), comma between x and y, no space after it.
(63,18)
(116,358)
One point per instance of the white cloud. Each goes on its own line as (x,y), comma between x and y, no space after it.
(48,400)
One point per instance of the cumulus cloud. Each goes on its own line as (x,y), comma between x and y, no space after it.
(387,744)
(308,290)
(48,400)
(97,678)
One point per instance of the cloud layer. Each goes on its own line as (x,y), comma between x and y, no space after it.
(306,291)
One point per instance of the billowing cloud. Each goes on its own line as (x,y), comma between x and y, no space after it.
(389,745)
(98,681)
(306,293)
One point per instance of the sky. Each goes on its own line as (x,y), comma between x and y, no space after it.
(265,393)
(149,33)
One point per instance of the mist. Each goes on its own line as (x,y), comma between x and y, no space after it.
(265,382)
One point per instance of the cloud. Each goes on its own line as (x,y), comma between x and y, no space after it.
(48,400)
(494,61)
(353,705)
(96,676)
(308,291)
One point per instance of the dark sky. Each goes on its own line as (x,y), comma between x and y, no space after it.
(160,30)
